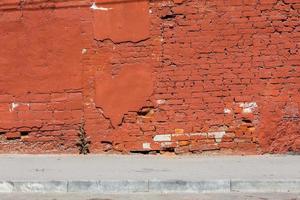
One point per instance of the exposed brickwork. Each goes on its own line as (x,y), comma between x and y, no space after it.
(225,77)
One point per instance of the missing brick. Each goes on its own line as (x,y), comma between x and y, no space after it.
(107,146)
(168,149)
(140,152)
(145,111)
(24,133)
(168,17)
(247,121)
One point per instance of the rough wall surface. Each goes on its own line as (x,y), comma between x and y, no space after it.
(182,76)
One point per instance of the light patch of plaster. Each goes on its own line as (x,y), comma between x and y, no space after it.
(162,138)
(146,146)
(95,7)
(248,107)
(227,111)
(161,101)
(218,135)
(83,51)
(14,105)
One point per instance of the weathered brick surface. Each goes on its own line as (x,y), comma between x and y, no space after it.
(220,76)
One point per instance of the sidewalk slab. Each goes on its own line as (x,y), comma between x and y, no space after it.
(148,174)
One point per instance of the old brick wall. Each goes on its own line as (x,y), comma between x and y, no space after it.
(182,76)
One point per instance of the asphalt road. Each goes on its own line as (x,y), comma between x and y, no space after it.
(220,196)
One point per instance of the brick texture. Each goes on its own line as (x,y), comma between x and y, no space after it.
(198,76)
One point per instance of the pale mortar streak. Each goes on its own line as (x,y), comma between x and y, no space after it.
(95,7)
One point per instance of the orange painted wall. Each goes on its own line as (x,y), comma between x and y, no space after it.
(187,76)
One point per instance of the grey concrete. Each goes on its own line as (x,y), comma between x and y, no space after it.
(144,196)
(40,186)
(153,174)
(189,186)
(265,185)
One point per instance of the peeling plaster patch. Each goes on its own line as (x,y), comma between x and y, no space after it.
(161,138)
(116,97)
(95,7)
(227,111)
(161,101)
(146,146)
(248,107)
(217,135)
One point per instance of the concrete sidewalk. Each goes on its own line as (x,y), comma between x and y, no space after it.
(154,174)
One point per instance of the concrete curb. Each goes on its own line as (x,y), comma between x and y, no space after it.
(151,186)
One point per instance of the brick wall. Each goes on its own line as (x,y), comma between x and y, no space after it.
(182,76)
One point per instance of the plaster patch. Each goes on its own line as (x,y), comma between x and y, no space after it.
(161,101)
(217,135)
(116,96)
(248,107)
(162,138)
(227,111)
(95,7)
(83,51)
(122,22)
(146,146)
(14,105)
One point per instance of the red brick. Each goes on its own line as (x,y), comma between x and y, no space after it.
(199,67)
(13,135)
